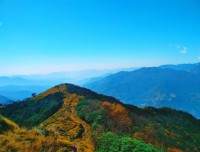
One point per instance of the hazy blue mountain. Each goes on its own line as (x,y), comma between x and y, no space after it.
(77,77)
(196,69)
(183,67)
(193,68)
(32,88)
(21,92)
(89,81)
(4,100)
(16,95)
(153,87)
(14,81)
(21,87)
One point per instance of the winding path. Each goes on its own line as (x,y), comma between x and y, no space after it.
(66,125)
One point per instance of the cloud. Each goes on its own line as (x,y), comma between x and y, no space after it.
(184,50)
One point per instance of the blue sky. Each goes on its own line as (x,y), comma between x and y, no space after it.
(40,36)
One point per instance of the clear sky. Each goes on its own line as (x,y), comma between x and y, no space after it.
(41,36)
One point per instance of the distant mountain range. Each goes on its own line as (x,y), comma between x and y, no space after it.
(67,115)
(193,68)
(16,93)
(176,86)
(22,86)
(4,100)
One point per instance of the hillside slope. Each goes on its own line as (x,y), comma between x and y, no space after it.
(153,87)
(56,123)
(68,115)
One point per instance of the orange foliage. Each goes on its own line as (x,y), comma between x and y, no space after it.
(173,150)
(118,116)
(149,131)
(171,135)
(143,136)
(140,135)
(29,141)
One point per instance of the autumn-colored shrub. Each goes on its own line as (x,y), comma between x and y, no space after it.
(117,117)
(173,150)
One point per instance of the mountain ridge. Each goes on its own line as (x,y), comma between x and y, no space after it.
(94,122)
(153,87)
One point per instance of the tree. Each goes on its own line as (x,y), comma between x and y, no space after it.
(34,94)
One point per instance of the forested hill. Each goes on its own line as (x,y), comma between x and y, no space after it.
(68,115)
(157,87)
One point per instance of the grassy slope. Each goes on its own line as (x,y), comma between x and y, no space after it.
(58,132)
(32,112)
(66,124)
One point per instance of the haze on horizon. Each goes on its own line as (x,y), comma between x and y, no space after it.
(42,37)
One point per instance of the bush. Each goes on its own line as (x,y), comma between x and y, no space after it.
(110,142)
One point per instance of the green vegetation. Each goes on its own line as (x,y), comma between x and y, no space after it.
(32,112)
(110,142)
(68,115)
(165,128)
(110,127)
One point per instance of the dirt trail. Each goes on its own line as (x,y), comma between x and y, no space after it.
(84,142)
(68,127)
